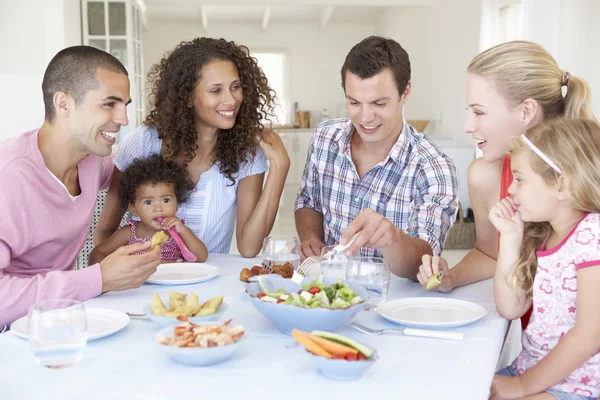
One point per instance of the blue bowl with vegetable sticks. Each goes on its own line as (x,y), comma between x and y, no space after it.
(336,303)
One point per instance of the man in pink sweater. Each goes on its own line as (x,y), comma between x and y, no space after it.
(49,181)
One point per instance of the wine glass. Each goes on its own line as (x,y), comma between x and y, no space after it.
(57,332)
(335,266)
(277,250)
(373,273)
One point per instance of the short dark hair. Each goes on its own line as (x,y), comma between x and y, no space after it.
(153,170)
(374,54)
(73,71)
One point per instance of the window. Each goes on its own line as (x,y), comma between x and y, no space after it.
(510,22)
(115,26)
(275,66)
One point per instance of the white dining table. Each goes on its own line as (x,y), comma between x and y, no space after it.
(131,365)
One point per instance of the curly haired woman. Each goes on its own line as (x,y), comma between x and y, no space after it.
(209,101)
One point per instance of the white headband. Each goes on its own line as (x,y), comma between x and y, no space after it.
(542,155)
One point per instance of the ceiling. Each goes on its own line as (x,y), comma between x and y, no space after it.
(322,12)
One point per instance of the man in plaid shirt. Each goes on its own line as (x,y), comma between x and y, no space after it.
(375,174)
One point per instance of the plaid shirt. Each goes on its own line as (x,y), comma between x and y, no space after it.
(415,186)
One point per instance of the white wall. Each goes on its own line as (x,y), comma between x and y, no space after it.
(410,27)
(573,39)
(316,58)
(31,32)
(441,40)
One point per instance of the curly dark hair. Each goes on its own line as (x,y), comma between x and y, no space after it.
(174,80)
(153,170)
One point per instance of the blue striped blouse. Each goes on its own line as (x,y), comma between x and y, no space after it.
(210,211)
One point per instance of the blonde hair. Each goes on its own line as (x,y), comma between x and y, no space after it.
(574,145)
(525,70)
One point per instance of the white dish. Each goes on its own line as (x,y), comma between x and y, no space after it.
(101,322)
(183,273)
(431,312)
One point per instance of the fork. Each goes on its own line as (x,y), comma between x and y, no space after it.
(310,262)
(410,332)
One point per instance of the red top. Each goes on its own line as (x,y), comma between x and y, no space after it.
(505,181)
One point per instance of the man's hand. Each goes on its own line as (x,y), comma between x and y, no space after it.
(121,270)
(376,232)
(310,247)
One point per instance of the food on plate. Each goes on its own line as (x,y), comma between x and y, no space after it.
(211,306)
(184,305)
(158,238)
(189,334)
(434,280)
(314,294)
(285,270)
(331,345)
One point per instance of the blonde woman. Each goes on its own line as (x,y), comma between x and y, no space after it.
(550,258)
(510,88)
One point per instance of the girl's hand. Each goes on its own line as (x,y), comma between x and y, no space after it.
(506,387)
(274,149)
(173,222)
(506,218)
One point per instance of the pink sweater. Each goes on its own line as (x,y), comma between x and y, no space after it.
(42,229)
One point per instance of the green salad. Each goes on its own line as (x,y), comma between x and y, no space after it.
(314,294)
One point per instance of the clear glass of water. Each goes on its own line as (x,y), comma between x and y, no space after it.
(279,250)
(57,332)
(374,274)
(335,267)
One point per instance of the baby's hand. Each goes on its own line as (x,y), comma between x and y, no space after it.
(506,218)
(173,222)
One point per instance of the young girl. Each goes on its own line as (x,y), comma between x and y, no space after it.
(152,189)
(549,258)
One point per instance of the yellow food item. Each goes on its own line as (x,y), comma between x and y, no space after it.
(210,307)
(184,305)
(434,280)
(158,307)
(176,300)
(158,238)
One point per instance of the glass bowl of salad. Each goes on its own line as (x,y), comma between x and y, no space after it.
(317,304)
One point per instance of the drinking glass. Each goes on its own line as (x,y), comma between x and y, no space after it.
(57,332)
(334,267)
(277,250)
(373,273)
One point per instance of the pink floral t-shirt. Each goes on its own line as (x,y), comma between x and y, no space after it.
(555,305)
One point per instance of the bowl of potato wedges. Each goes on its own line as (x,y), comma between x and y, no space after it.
(184,305)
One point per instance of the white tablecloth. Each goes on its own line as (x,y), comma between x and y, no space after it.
(130,365)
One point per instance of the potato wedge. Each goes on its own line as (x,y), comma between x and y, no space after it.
(434,280)
(158,238)
(158,307)
(176,300)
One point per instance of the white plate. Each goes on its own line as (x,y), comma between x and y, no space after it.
(183,273)
(431,312)
(101,322)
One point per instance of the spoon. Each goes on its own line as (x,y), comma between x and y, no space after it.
(185,252)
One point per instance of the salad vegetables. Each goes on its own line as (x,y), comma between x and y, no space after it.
(314,294)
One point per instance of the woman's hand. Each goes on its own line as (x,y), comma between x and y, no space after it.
(274,149)
(506,218)
(431,266)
